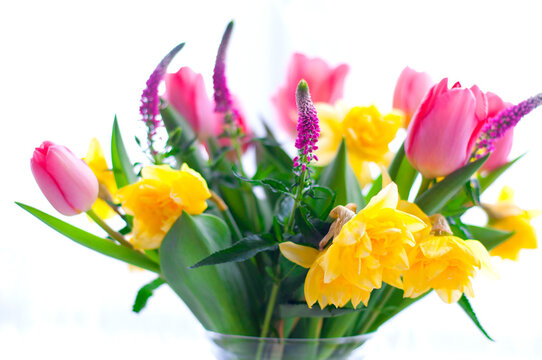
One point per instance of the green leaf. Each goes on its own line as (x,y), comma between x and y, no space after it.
(487,180)
(269,151)
(122,166)
(319,200)
(302,310)
(104,246)
(432,200)
(240,251)
(145,293)
(339,177)
(465,305)
(187,145)
(490,238)
(217,295)
(271,184)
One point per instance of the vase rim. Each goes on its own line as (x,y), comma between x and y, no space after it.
(353,338)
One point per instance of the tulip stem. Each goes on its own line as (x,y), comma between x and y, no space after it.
(268,316)
(424,186)
(115,235)
(226,214)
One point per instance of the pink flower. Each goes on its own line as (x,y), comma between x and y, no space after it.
(444,129)
(326,84)
(499,156)
(185,91)
(409,91)
(65,180)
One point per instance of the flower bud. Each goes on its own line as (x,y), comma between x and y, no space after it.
(444,129)
(409,91)
(65,180)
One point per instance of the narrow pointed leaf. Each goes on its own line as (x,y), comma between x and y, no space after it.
(104,246)
(432,200)
(122,166)
(240,251)
(145,293)
(487,180)
(465,305)
(339,177)
(490,238)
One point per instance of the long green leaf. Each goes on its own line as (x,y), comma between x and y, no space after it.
(190,153)
(145,293)
(216,295)
(490,238)
(122,167)
(465,305)
(339,177)
(240,251)
(432,200)
(488,179)
(94,242)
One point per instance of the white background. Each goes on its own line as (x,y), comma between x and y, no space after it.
(68,67)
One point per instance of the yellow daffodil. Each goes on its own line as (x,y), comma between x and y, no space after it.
(366,131)
(96,161)
(370,248)
(337,292)
(505,215)
(446,264)
(158,200)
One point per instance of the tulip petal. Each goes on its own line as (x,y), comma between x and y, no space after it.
(50,189)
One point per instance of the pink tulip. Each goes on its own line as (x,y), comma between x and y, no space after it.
(65,180)
(326,84)
(185,91)
(499,156)
(444,129)
(409,91)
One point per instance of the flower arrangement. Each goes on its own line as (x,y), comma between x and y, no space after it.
(310,246)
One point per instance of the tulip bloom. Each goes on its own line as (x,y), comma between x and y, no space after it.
(444,129)
(409,91)
(326,84)
(499,156)
(185,92)
(65,180)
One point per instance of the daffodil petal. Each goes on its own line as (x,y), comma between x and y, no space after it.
(301,255)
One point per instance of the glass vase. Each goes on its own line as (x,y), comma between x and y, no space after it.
(236,347)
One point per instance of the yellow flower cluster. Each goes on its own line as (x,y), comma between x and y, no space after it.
(388,241)
(370,248)
(505,215)
(159,199)
(156,201)
(366,131)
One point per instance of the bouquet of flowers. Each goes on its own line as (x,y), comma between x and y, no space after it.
(328,244)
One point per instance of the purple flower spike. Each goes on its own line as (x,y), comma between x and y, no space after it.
(150,101)
(308,130)
(498,125)
(222,95)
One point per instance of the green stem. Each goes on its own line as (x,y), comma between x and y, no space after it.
(115,235)
(297,200)
(374,314)
(423,186)
(268,316)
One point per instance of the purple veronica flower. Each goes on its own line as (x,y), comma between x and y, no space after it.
(222,95)
(308,130)
(497,126)
(150,101)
